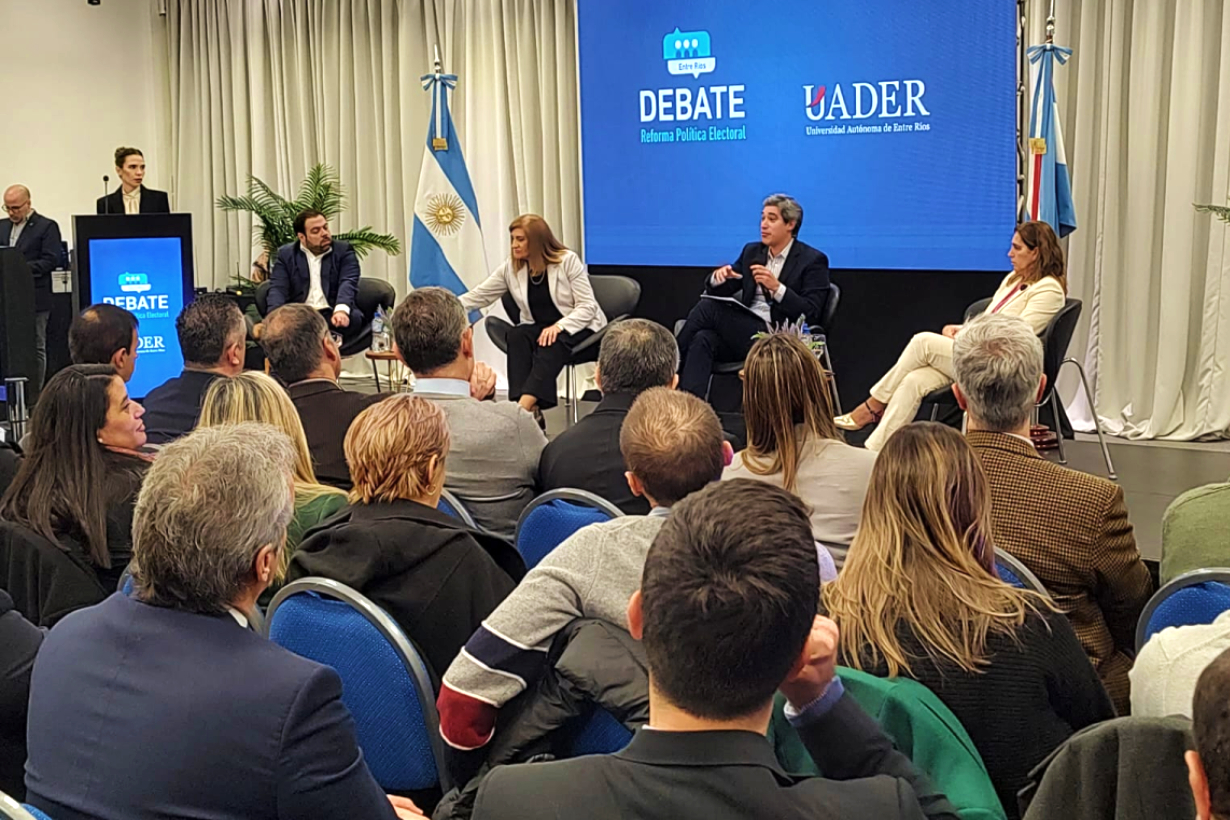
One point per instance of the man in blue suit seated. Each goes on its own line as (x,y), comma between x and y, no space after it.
(166,703)
(320,272)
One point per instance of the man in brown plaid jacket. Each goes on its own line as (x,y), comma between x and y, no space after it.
(1070,528)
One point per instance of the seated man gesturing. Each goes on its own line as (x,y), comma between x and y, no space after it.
(320,271)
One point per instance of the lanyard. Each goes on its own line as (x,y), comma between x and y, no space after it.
(1011,295)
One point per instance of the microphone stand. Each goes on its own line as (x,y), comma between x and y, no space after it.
(106,195)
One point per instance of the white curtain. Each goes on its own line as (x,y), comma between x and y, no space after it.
(1145,104)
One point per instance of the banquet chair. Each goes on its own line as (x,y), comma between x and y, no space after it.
(553,516)
(1195,597)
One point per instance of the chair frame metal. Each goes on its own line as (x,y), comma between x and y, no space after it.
(1021,571)
(1188,579)
(10,809)
(463,514)
(410,657)
(570,494)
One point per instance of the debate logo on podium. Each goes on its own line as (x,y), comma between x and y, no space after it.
(687,52)
(134,282)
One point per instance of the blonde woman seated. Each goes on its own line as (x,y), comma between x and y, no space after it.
(793,443)
(920,597)
(253,396)
(434,575)
(1035,290)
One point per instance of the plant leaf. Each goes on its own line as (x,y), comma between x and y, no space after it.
(1221,211)
(365,239)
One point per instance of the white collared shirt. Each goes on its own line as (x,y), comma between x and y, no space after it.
(316,298)
(17,228)
(239,617)
(775,264)
(132,200)
(443,387)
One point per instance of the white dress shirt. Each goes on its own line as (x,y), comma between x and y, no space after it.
(442,387)
(316,298)
(18,227)
(132,201)
(775,263)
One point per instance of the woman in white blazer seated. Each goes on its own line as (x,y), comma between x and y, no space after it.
(1035,290)
(551,287)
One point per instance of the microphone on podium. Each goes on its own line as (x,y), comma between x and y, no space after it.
(106,192)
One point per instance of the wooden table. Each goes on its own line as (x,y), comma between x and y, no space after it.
(389,358)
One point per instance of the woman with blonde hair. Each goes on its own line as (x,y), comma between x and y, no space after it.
(1035,290)
(253,396)
(558,310)
(920,597)
(434,575)
(793,443)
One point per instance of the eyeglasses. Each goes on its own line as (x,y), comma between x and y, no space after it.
(337,339)
(12,209)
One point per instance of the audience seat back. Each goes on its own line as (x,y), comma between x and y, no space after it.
(553,516)
(1195,597)
(450,504)
(1012,571)
(598,734)
(386,684)
(45,582)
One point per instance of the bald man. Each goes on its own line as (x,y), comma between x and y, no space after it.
(38,239)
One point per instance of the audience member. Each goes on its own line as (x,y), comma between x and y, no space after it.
(1071,529)
(672,444)
(82,469)
(10,462)
(634,356)
(1208,764)
(493,464)
(213,337)
(320,272)
(727,614)
(1194,531)
(253,396)
(169,702)
(920,597)
(37,238)
(304,355)
(19,642)
(792,441)
(105,334)
(1165,672)
(432,574)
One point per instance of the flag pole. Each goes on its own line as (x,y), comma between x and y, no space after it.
(1050,24)
(440,141)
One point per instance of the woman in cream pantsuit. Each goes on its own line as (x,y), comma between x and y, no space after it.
(551,287)
(1035,290)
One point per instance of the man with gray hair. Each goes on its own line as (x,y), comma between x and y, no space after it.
(775,280)
(635,355)
(1071,529)
(168,699)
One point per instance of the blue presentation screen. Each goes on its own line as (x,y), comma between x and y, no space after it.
(144,276)
(893,122)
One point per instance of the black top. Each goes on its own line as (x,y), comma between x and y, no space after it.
(1033,695)
(542,307)
(19,641)
(152,202)
(173,408)
(327,411)
(586,456)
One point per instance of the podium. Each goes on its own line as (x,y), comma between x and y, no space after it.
(142,263)
(16,316)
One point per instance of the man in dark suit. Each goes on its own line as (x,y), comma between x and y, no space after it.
(303,354)
(171,705)
(635,355)
(727,614)
(132,197)
(775,280)
(213,339)
(320,272)
(38,239)
(105,334)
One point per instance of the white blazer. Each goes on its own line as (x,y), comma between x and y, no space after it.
(1036,304)
(567,280)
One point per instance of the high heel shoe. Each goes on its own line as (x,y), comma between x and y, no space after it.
(847,421)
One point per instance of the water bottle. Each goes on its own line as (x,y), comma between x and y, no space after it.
(380,337)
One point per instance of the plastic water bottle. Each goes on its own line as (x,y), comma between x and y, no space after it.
(380,337)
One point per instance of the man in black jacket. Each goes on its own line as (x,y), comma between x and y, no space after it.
(636,354)
(727,614)
(775,280)
(38,239)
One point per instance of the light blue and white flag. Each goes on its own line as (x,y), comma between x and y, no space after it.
(446,246)
(1048,195)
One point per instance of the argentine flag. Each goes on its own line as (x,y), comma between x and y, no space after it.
(1048,196)
(446,245)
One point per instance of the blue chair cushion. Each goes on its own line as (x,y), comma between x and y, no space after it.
(599,734)
(443,506)
(35,813)
(548,525)
(376,687)
(1195,604)
(1008,576)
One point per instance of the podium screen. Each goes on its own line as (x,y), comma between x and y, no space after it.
(143,275)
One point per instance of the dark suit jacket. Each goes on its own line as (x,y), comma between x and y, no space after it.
(173,408)
(39,243)
(436,577)
(327,411)
(805,275)
(152,202)
(19,642)
(587,456)
(713,775)
(1072,530)
(175,714)
(47,581)
(339,276)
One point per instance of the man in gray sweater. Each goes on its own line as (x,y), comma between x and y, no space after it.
(493,460)
(673,446)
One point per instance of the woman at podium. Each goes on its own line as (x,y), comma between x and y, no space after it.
(132,197)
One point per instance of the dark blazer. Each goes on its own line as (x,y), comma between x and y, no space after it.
(327,411)
(436,577)
(19,642)
(722,774)
(173,408)
(339,276)
(152,202)
(45,580)
(587,456)
(39,243)
(805,275)
(176,714)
